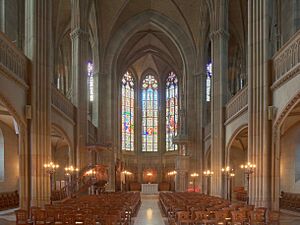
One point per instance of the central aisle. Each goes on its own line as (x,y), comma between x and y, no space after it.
(149,213)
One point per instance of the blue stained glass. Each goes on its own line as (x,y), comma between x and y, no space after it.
(171,111)
(127,112)
(208,81)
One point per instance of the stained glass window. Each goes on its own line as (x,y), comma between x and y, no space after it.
(208,81)
(171,111)
(128,112)
(90,70)
(149,114)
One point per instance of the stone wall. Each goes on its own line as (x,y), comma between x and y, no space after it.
(11,159)
(290,160)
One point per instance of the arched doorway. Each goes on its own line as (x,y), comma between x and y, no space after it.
(290,152)
(9,154)
(237,155)
(61,155)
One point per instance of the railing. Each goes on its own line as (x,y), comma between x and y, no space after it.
(286,58)
(63,104)
(92,130)
(12,59)
(207,130)
(238,103)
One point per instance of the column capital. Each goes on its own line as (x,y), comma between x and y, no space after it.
(220,33)
(79,33)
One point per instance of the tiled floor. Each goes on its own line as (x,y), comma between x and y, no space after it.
(149,213)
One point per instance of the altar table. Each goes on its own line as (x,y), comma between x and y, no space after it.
(150,189)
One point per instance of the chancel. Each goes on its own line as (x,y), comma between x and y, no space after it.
(149,112)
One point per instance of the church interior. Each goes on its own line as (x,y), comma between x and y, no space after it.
(166,112)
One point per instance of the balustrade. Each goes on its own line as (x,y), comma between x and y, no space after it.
(236,104)
(63,104)
(92,130)
(12,58)
(286,58)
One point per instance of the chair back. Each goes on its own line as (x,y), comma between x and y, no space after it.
(40,216)
(273,216)
(182,215)
(21,216)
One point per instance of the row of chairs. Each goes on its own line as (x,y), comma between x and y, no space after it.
(9,200)
(195,208)
(103,209)
(290,201)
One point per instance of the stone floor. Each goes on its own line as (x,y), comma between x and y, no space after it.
(150,214)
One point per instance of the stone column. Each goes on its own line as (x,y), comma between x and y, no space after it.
(259,145)
(80,44)
(182,168)
(38,49)
(200,109)
(24,179)
(219,40)
(275,170)
(2,16)
(200,96)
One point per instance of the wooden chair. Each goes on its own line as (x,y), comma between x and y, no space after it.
(273,217)
(40,217)
(221,216)
(183,217)
(69,219)
(201,217)
(238,217)
(89,220)
(257,218)
(50,214)
(33,210)
(22,217)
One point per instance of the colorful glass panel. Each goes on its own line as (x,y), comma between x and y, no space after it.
(208,81)
(127,112)
(149,114)
(90,70)
(171,111)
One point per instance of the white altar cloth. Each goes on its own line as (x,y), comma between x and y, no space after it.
(150,189)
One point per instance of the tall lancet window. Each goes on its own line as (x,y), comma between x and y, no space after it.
(128,112)
(149,114)
(171,111)
(90,80)
(208,81)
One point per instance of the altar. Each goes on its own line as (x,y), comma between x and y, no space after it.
(150,189)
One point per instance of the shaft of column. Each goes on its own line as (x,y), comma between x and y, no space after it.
(219,40)
(259,145)
(80,46)
(38,49)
